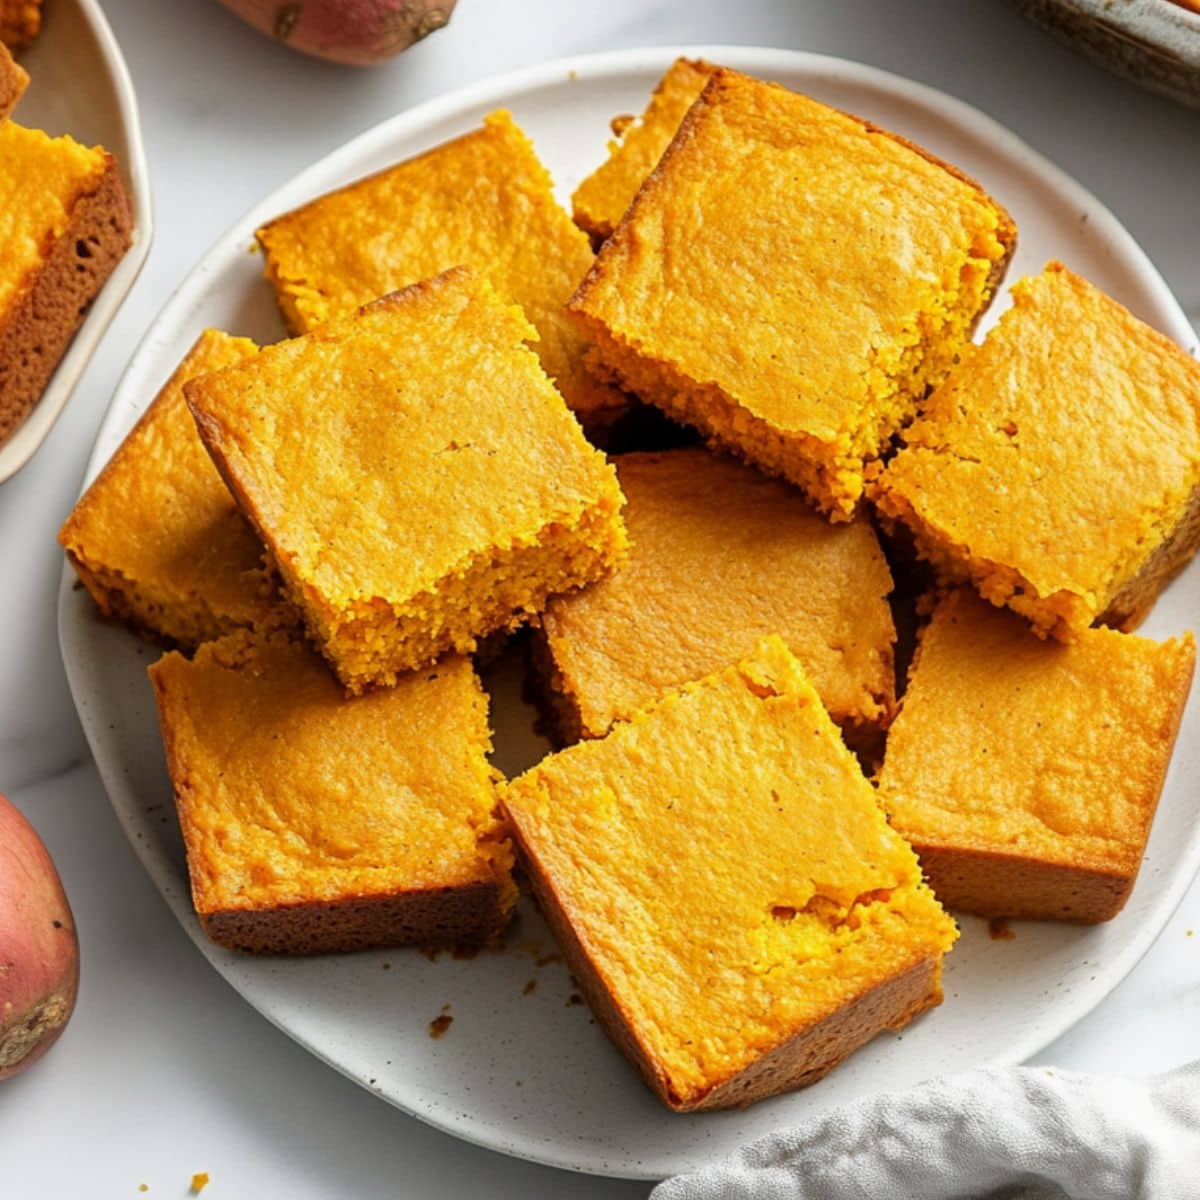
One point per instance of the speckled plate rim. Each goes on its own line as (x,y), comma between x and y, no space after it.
(128,148)
(144,373)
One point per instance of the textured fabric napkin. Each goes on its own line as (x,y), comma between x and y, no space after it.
(1022,1133)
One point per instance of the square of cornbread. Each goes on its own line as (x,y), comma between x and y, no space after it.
(1058,468)
(791,280)
(1026,773)
(720,557)
(484,201)
(316,823)
(64,225)
(158,539)
(600,201)
(13,82)
(416,476)
(726,889)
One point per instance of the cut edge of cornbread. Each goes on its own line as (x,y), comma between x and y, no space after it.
(810,1052)
(431,918)
(900,375)
(13,81)
(55,300)
(374,641)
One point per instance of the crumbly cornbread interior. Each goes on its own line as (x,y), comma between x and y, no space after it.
(1012,744)
(41,180)
(483,201)
(416,476)
(792,280)
(289,793)
(727,869)
(1057,459)
(722,556)
(158,539)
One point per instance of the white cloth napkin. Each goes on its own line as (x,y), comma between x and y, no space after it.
(1023,1133)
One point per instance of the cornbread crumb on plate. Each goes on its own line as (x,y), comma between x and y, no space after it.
(1026,773)
(483,201)
(726,889)
(316,823)
(158,539)
(721,556)
(13,82)
(65,223)
(1058,468)
(600,201)
(417,478)
(791,280)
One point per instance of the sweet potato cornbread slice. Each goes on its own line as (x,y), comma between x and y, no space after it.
(1058,468)
(601,199)
(726,888)
(721,557)
(64,225)
(317,823)
(791,280)
(482,201)
(417,478)
(1026,773)
(13,82)
(158,539)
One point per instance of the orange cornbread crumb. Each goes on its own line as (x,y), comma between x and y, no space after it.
(417,478)
(601,200)
(726,888)
(791,280)
(482,201)
(721,557)
(158,539)
(1058,468)
(1026,773)
(199,1182)
(315,823)
(20,22)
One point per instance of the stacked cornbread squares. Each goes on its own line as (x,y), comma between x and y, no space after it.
(326,528)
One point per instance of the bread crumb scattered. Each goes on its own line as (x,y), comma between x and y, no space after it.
(199,1182)
(1000,931)
(440,1023)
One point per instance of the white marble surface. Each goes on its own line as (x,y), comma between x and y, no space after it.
(164,1071)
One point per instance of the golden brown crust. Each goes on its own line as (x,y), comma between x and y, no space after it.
(39,329)
(800,1061)
(13,82)
(441,918)
(991,883)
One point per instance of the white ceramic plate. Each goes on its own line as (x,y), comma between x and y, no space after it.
(80,85)
(530,1074)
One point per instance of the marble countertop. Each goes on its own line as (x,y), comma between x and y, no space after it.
(164,1071)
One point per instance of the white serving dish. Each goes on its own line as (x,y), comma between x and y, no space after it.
(531,1075)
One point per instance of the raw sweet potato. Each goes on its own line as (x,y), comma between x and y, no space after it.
(359,32)
(39,950)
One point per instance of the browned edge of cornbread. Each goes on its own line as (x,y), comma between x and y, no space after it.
(38,331)
(1131,605)
(116,607)
(13,82)
(994,883)
(1006,232)
(432,919)
(803,1059)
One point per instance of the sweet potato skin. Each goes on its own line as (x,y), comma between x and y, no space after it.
(39,947)
(356,32)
